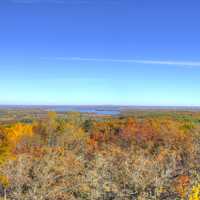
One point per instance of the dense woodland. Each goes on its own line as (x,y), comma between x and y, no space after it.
(134,156)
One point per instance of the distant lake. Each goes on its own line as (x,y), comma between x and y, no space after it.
(99,110)
(102,111)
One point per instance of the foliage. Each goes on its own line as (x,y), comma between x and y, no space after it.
(75,157)
(195,194)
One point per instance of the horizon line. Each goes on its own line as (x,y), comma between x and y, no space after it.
(116,105)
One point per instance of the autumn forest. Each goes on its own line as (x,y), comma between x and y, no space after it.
(72,156)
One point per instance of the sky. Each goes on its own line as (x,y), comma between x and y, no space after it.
(100,52)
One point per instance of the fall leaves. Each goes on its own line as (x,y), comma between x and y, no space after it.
(77,157)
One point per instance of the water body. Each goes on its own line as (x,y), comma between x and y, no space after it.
(102,111)
(99,110)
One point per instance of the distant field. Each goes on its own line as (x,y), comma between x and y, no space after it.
(29,113)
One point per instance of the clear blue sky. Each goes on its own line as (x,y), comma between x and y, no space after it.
(135,52)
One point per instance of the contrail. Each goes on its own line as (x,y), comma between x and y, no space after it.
(156,62)
(67,2)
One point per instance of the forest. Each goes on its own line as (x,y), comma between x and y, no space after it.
(140,155)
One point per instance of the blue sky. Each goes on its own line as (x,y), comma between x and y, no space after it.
(131,52)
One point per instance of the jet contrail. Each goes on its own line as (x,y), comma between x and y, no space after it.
(157,62)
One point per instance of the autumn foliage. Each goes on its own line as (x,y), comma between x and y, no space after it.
(77,157)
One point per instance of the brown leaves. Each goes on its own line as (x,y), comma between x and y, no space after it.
(181,185)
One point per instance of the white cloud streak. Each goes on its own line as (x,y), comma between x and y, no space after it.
(66,2)
(149,62)
(37,1)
